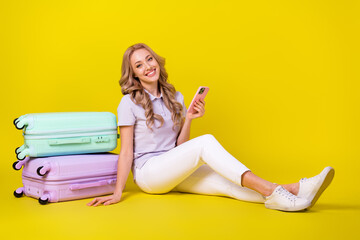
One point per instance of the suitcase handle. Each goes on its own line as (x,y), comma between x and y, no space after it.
(69,141)
(80,186)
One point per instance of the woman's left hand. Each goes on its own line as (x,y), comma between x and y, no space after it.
(199,107)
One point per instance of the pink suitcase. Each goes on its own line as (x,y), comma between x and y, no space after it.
(63,178)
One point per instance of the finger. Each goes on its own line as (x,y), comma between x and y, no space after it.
(97,204)
(200,104)
(198,110)
(101,200)
(199,107)
(111,201)
(92,202)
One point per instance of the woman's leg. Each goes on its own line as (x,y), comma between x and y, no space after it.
(206,181)
(162,173)
(250,180)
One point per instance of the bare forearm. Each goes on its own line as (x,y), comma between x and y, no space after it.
(184,133)
(123,170)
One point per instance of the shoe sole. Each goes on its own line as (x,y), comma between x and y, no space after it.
(330,172)
(284,209)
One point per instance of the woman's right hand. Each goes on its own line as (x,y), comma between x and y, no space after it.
(107,200)
(124,165)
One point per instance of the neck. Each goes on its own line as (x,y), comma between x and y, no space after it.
(152,89)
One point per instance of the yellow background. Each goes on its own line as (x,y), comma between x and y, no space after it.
(284,99)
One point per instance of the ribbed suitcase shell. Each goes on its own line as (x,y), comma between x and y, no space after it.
(53,134)
(62,178)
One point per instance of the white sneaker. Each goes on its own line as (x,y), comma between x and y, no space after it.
(282,199)
(312,188)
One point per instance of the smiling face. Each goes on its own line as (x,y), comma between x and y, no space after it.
(145,67)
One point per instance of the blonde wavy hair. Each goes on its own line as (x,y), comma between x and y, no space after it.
(132,85)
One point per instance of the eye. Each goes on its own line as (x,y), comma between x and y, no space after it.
(150,58)
(137,66)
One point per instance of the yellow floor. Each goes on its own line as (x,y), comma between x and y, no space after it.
(174,216)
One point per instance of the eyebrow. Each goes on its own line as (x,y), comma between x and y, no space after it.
(145,58)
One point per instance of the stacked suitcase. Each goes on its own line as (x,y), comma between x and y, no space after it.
(65,155)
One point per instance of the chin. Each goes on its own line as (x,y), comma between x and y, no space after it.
(154,79)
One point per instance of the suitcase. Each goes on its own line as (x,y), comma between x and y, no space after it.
(63,178)
(53,134)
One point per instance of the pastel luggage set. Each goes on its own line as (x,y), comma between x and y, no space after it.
(65,155)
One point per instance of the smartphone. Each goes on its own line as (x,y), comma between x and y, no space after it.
(200,94)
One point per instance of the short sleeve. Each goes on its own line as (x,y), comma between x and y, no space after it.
(125,112)
(180,98)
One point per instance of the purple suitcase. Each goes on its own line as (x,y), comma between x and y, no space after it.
(63,178)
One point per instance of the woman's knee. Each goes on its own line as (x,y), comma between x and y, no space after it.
(207,138)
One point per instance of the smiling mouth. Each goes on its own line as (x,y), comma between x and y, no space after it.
(152,73)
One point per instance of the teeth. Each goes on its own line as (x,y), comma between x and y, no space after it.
(153,71)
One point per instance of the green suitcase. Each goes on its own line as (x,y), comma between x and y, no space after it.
(52,134)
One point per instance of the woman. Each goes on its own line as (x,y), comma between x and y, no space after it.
(155,129)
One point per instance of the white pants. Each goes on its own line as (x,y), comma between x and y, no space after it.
(201,166)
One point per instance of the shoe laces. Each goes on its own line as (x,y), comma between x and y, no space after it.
(285,193)
(309,179)
(303,179)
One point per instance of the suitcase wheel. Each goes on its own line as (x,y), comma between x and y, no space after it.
(14,166)
(20,149)
(22,152)
(43,202)
(39,171)
(19,192)
(19,128)
(17,156)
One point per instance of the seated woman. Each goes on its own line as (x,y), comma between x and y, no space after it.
(155,128)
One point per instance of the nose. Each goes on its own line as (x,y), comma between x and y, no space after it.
(147,65)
